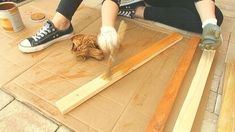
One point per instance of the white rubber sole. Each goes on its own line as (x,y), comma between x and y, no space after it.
(44,46)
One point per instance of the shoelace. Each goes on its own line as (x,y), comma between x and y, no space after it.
(42,32)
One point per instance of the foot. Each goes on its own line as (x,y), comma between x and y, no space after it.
(45,37)
(129,10)
(211,37)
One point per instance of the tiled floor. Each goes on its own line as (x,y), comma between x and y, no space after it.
(28,119)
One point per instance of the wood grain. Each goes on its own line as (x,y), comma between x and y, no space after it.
(227,113)
(191,103)
(166,103)
(96,85)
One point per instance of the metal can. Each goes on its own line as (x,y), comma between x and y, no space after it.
(10,19)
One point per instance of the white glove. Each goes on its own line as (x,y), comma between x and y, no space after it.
(108,39)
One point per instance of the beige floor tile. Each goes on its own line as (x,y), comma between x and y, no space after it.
(215,83)
(211,101)
(63,129)
(210,122)
(207,126)
(4,99)
(218,104)
(16,117)
(220,90)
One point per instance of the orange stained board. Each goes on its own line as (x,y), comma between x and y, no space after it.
(166,103)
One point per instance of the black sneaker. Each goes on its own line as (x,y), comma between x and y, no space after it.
(46,36)
(211,37)
(130,9)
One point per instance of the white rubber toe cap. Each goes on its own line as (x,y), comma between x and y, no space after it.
(25,46)
(25,43)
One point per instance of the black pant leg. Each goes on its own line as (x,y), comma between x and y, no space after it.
(219,16)
(175,17)
(181,14)
(68,7)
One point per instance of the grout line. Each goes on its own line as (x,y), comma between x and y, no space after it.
(7,104)
(58,126)
(214,102)
(36,110)
(220,82)
(229,44)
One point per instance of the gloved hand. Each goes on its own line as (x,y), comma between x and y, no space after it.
(211,38)
(108,39)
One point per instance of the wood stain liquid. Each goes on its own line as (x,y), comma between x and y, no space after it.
(10,19)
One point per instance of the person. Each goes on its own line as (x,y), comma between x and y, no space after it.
(58,29)
(199,16)
(181,14)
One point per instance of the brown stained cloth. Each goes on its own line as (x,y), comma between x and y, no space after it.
(85,46)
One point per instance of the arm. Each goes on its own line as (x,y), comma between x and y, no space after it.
(109,13)
(108,38)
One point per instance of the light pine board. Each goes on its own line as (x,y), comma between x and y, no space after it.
(191,103)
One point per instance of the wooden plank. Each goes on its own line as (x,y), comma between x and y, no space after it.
(227,114)
(149,88)
(191,103)
(93,87)
(164,108)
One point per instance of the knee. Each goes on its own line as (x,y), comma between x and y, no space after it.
(219,16)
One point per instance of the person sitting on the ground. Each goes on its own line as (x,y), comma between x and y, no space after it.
(191,15)
(200,16)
